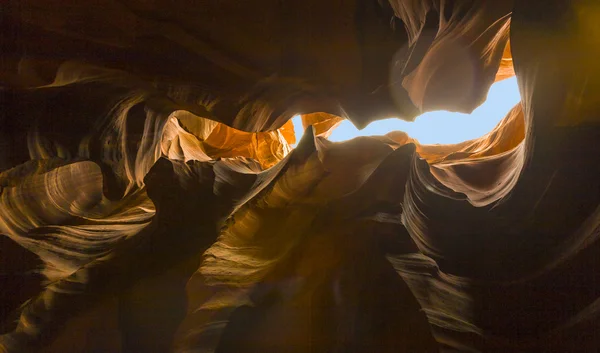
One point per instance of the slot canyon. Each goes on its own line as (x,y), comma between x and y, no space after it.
(156,196)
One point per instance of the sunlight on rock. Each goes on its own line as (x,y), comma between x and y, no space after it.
(439,127)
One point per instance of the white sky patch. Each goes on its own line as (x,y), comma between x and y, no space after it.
(439,127)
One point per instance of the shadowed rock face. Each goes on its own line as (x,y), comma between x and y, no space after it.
(150,200)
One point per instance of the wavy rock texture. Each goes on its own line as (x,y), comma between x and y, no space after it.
(150,200)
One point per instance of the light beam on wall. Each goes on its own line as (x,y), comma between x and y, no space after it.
(439,127)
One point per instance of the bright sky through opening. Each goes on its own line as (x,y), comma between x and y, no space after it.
(439,127)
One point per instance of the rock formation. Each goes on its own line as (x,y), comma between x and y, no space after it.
(150,199)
